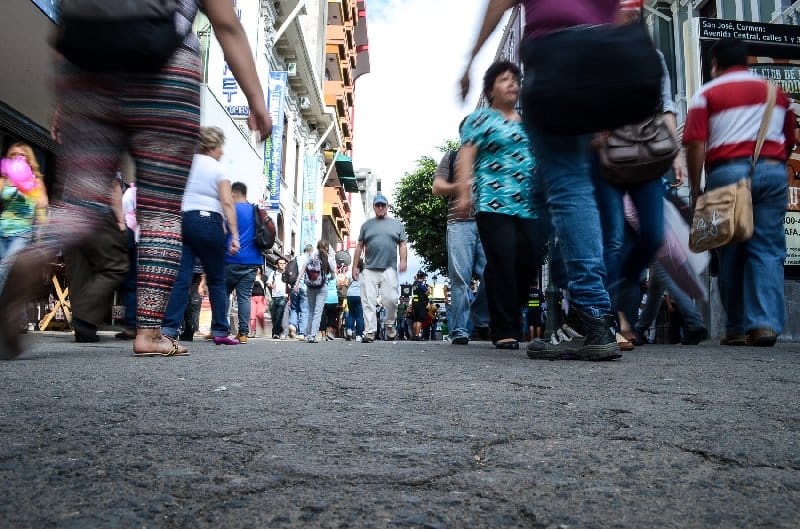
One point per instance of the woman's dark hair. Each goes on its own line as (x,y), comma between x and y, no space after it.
(322,249)
(494,71)
(729,52)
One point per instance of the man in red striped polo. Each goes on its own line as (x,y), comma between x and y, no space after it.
(721,131)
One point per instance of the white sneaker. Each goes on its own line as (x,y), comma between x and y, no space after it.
(348,334)
(358,339)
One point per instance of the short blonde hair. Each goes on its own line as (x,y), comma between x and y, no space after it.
(210,139)
(29,157)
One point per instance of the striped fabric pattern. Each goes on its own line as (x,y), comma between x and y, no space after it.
(156,118)
(726,114)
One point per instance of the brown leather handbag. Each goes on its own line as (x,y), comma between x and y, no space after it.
(638,153)
(725,214)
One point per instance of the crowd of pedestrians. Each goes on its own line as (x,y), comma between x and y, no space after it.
(517,187)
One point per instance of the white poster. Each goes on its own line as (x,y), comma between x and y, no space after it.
(220,78)
(791,225)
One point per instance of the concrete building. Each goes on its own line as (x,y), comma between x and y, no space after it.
(346,59)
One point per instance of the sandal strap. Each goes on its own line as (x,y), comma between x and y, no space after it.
(174,349)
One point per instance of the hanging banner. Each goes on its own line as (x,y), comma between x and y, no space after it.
(308,226)
(273,147)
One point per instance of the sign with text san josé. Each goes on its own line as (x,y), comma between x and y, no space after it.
(774,34)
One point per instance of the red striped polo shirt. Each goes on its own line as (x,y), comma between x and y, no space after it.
(726,114)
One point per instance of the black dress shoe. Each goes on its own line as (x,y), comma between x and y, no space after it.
(85,332)
(762,337)
(695,337)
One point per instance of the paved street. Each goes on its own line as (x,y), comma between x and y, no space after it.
(408,435)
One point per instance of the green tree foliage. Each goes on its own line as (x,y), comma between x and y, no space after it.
(424,215)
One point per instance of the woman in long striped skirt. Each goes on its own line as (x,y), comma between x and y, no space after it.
(156,118)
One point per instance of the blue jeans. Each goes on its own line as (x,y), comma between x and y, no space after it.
(355,315)
(626,257)
(241,278)
(298,310)
(751,272)
(316,305)
(563,172)
(204,238)
(660,281)
(8,247)
(129,287)
(465,259)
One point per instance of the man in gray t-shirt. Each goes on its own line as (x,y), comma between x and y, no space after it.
(379,239)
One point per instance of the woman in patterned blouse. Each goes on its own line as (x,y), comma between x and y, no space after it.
(496,165)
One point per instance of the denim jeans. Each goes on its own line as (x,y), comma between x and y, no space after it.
(241,277)
(751,272)
(204,238)
(563,172)
(660,281)
(316,304)
(626,257)
(298,310)
(277,306)
(8,247)
(355,315)
(465,259)
(129,287)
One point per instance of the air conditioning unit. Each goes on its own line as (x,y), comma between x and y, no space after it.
(305,102)
(291,69)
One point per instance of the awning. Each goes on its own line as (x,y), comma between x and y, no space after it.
(347,176)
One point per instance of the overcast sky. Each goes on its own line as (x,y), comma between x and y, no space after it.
(408,105)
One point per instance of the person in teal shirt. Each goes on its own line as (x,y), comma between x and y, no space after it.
(496,165)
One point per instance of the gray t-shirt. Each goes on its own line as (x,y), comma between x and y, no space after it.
(380,238)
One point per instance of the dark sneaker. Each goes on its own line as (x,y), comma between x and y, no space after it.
(695,337)
(461,340)
(563,344)
(597,341)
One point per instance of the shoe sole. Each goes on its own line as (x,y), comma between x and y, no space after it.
(766,341)
(589,353)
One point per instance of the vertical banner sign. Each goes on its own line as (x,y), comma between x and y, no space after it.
(273,147)
(308,226)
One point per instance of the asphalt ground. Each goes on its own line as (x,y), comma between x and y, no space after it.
(398,435)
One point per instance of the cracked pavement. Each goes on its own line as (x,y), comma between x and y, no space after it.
(408,435)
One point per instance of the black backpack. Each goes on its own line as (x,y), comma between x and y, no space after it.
(118,35)
(290,273)
(265,229)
